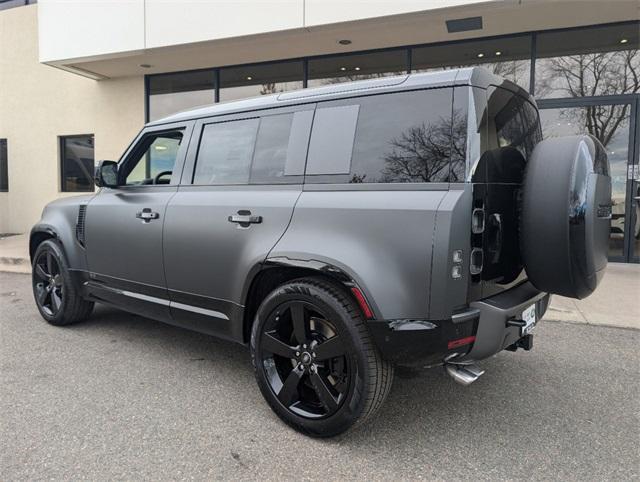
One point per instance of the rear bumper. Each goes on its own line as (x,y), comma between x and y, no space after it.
(493,334)
(430,342)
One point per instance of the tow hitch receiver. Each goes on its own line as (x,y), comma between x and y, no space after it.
(526,343)
(464,374)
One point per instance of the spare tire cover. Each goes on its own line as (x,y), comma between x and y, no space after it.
(566,215)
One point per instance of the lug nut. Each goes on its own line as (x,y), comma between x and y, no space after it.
(304,346)
(297,353)
(313,354)
(300,367)
(313,368)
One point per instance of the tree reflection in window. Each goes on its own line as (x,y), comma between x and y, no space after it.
(409,137)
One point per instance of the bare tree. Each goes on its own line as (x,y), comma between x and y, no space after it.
(605,73)
(428,152)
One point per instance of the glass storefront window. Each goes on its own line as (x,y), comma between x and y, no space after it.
(171,93)
(610,124)
(509,57)
(588,62)
(76,163)
(346,68)
(255,80)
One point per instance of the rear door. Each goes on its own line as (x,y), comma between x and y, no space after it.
(242,179)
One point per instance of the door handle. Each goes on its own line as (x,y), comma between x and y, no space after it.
(244,218)
(147,215)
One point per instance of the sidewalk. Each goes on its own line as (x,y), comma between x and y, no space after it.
(14,254)
(616,302)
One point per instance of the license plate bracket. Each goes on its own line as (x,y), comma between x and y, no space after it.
(529,317)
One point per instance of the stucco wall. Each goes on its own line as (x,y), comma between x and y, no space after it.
(38,103)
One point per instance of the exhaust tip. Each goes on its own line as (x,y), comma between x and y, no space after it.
(464,374)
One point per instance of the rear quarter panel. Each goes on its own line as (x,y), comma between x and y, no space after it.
(382,238)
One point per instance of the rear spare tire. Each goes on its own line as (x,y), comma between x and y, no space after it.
(566,215)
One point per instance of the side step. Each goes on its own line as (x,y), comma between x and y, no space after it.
(464,374)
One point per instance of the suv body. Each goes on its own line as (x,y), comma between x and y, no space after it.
(382,187)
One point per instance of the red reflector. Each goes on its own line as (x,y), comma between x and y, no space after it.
(368,313)
(461,342)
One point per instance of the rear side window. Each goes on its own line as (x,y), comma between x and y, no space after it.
(392,138)
(516,121)
(267,150)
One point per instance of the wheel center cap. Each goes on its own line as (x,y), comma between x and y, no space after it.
(306,358)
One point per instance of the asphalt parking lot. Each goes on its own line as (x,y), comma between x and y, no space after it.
(123,397)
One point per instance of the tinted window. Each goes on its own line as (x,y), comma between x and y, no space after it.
(225,152)
(346,68)
(516,121)
(269,150)
(401,137)
(171,93)
(153,159)
(585,62)
(254,80)
(4,177)
(77,163)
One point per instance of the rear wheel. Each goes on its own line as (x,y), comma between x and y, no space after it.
(314,360)
(57,297)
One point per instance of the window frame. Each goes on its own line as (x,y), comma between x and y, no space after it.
(133,151)
(188,172)
(62,157)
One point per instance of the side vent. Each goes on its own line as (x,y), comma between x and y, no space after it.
(82,211)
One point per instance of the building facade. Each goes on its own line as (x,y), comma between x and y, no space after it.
(78,79)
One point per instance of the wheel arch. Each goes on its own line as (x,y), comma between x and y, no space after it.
(277,271)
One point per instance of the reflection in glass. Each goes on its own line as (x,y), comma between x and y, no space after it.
(156,161)
(508,57)
(255,80)
(171,93)
(225,152)
(347,68)
(408,137)
(77,163)
(588,62)
(610,124)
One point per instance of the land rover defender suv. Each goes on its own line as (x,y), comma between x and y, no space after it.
(338,232)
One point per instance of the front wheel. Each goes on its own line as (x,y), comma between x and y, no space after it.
(314,360)
(57,297)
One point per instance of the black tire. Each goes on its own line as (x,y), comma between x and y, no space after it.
(566,215)
(358,380)
(56,295)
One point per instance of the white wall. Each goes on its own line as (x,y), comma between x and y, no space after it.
(83,28)
(73,29)
(38,104)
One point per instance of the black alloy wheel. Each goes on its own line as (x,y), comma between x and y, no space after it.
(58,298)
(305,360)
(48,284)
(314,360)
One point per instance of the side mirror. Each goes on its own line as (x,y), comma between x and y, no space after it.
(106,174)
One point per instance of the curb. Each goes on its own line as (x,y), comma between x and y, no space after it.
(14,265)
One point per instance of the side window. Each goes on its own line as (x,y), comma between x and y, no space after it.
(152,161)
(516,121)
(225,152)
(396,138)
(267,150)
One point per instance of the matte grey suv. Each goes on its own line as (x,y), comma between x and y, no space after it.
(339,231)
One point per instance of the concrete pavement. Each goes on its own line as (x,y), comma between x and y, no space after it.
(123,397)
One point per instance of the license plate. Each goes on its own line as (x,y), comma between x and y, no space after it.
(529,317)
